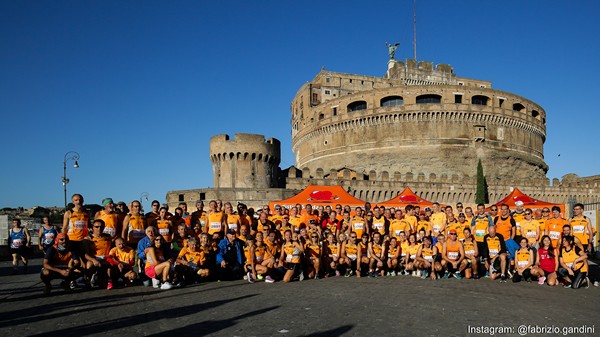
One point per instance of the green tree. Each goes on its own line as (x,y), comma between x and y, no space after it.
(481,196)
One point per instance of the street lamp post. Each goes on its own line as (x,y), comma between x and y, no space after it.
(71,155)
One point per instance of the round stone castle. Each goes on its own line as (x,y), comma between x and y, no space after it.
(247,161)
(417,120)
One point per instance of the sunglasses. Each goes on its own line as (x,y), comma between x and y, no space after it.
(97,226)
(527,213)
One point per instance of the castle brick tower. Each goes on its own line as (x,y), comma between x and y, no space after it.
(247,161)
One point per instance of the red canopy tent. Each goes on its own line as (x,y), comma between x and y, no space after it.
(320,196)
(529,202)
(407,197)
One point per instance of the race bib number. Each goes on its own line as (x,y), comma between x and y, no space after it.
(378,226)
(578,229)
(359,225)
(437,228)
(397,232)
(518,225)
(522,263)
(109,230)
(163,231)
(288,258)
(259,258)
(480,232)
(80,225)
(215,226)
(470,252)
(531,234)
(493,252)
(428,258)
(453,255)
(232,226)
(554,235)
(352,257)
(413,256)
(49,238)
(17,243)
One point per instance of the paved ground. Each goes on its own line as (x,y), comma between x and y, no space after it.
(390,306)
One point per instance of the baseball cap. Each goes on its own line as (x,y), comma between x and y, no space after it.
(452,231)
(519,203)
(106,201)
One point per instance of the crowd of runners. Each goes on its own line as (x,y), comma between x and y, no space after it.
(122,246)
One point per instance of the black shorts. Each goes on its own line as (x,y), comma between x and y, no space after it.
(77,248)
(291,266)
(21,250)
(546,273)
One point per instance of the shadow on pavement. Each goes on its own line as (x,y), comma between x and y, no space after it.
(333,332)
(208,327)
(142,318)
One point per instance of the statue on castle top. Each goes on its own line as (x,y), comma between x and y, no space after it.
(392,49)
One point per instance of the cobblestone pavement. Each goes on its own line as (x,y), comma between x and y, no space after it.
(388,306)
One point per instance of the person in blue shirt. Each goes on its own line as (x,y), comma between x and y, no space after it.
(230,257)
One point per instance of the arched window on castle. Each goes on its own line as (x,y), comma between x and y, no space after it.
(429,99)
(479,100)
(392,101)
(518,107)
(356,106)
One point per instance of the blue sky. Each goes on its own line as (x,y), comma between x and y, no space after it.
(139,87)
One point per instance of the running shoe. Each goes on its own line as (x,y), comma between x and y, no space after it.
(317,276)
(109,286)
(269,279)
(348,273)
(503,278)
(249,277)
(166,286)
(457,275)
(567,285)
(446,275)
(337,273)
(94,280)
(155,283)
(424,274)
(301,277)
(393,273)
(259,277)
(596,283)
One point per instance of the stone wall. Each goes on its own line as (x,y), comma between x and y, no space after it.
(360,122)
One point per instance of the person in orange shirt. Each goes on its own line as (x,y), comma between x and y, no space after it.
(314,252)
(97,247)
(122,258)
(581,227)
(134,225)
(110,217)
(188,263)
(453,256)
(425,257)
(75,225)
(376,256)
(554,226)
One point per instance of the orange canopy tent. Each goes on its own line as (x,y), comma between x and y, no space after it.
(407,197)
(320,196)
(529,202)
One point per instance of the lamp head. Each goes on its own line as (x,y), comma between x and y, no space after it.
(76,164)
